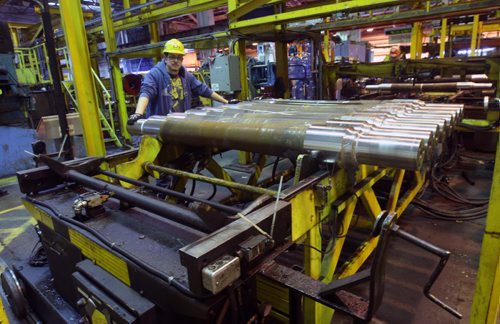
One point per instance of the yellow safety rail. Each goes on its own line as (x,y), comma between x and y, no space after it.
(107,126)
(107,123)
(32,65)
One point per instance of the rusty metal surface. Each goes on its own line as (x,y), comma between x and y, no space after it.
(295,280)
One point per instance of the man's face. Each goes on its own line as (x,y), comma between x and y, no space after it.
(174,62)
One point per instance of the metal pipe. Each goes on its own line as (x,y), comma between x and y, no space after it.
(329,112)
(390,122)
(173,193)
(353,148)
(237,115)
(447,86)
(173,212)
(216,181)
(350,147)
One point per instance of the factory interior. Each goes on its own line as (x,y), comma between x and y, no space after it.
(249,161)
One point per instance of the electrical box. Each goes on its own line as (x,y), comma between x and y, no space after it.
(225,73)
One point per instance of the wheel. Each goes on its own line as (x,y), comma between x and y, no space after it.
(14,289)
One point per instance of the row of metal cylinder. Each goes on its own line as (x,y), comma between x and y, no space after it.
(406,134)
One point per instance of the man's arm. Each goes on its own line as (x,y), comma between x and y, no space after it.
(142,104)
(140,109)
(217,97)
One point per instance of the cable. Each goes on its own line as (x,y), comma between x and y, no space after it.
(467,208)
(275,167)
(214,191)
(314,248)
(38,257)
(172,281)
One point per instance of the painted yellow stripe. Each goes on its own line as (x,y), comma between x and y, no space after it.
(15,233)
(39,215)
(14,219)
(100,256)
(9,180)
(3,316)
(5,211)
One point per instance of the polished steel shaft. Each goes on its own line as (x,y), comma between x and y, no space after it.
(445,86)
(399,133)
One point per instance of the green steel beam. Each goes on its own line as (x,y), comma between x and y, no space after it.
(202,41)
(244,93)
(173,10)
(319,10)
(76,40)
(282,66)
(109,37)
(242,8)
(474,38)
(445,11)
(126,5)
(153,30)
(442,41)
(416,41)
(486,300)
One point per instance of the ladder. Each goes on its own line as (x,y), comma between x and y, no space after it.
(107,126)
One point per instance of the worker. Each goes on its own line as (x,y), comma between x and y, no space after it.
(168,87)
(394,55)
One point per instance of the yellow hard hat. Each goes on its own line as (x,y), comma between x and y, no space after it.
(174,46)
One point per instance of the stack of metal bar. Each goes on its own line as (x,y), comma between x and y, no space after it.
(406,134)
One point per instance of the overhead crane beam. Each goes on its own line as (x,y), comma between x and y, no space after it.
(242,8)
(156,14)
(450,10)
(314,11)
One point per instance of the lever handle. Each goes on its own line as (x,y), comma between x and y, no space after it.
(443,254)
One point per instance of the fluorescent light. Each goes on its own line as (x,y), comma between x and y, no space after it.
(369,30)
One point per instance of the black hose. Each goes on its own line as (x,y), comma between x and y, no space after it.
(180,195)
(141,264)
(469,208)
(214,191)
(275,167)
(193,187)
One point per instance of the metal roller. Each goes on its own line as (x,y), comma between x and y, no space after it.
(347,146)
(397,133)
(446,86)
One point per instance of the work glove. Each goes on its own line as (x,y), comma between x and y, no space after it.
(233,101)
(134,117)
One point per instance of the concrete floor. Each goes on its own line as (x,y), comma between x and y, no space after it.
(409,267)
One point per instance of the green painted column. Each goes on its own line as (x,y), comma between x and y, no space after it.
(485,305)
(76,41)
(116,74)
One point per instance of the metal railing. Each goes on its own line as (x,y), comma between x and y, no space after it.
(34,60)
